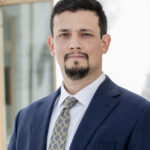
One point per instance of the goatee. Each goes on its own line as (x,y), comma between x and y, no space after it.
(76,73)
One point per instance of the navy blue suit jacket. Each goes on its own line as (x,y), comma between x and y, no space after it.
(116,119)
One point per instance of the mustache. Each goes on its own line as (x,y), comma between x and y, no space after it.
(84,54)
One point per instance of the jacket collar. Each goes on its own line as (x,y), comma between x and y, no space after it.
(101,106)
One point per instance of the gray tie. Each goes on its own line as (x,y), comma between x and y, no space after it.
(60,131)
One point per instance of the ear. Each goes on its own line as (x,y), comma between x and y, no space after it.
(51,45)
(106,39)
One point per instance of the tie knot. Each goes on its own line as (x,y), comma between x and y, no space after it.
(69,102)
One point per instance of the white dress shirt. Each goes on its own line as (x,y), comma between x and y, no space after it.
(84,98)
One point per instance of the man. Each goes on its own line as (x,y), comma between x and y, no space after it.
(99,115)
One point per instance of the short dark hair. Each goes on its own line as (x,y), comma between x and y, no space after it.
(75,5)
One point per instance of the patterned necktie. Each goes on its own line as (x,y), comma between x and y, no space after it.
(60,131)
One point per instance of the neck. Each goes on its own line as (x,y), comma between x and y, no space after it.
(74,86)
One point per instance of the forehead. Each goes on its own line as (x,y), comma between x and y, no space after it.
(76,20)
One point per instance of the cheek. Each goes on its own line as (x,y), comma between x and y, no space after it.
(59,57)
(95,53)
(60,50)
(60,44)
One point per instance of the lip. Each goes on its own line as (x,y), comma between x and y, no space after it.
(76,56)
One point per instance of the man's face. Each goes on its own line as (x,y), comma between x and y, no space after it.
(77,44)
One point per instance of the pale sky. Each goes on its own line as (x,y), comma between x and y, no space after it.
(127,61)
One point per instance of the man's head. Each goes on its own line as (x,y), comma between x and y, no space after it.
(78,41)
(75,5)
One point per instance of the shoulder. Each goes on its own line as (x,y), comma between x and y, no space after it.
(124,95)
(40,104)
(133,98)
(132,105)
(128,101)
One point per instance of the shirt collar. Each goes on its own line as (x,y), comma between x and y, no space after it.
(85,95)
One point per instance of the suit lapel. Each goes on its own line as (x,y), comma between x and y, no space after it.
(41,120)
(101,106)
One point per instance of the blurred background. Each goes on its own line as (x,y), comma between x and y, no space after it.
(28,72)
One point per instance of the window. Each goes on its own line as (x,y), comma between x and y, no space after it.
(28,68)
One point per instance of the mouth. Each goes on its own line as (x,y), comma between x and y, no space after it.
(79,55)
(76,57)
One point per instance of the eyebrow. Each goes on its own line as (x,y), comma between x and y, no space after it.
(63,30)
(86,30)
(82,30)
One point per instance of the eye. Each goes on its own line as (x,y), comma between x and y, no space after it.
(86,34)
(64,35)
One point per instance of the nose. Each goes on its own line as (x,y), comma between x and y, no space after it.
(75,44)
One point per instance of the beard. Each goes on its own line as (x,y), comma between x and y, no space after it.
(77,73)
